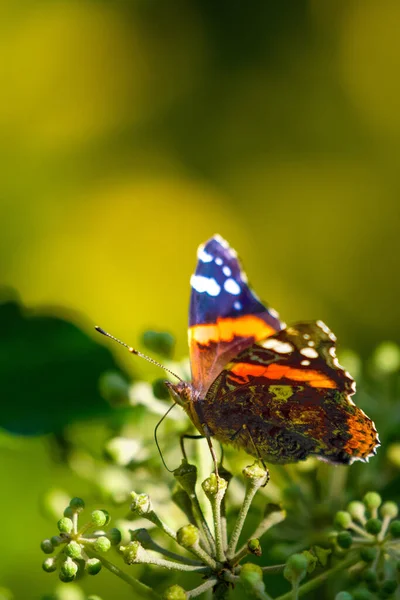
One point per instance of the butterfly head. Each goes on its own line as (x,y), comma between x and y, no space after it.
(182,392)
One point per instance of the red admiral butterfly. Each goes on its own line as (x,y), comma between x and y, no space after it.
(277,392)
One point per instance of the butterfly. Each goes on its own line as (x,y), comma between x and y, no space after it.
(277,392)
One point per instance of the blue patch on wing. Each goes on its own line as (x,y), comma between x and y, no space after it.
(219,287)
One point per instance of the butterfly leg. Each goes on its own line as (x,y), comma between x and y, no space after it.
(245,428)
(187,436)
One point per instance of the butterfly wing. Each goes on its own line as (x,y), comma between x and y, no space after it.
(225,315)
(294,398)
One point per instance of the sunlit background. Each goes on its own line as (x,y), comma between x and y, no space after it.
(130,132)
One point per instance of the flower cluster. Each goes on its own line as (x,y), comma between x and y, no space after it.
(76,549)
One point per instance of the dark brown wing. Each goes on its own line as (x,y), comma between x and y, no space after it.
(293,397)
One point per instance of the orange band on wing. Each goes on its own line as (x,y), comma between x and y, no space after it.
(226,329)
(276,371)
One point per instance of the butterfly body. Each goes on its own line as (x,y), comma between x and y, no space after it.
(277,392)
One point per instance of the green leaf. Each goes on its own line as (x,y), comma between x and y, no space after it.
(49,371)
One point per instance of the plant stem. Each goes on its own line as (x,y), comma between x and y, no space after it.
(317,581)
(272,519)
(273,569)
(207,585)
(139,587)
(253,487)
(216,512)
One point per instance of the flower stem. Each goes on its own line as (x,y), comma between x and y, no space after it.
(317,581)
(139,587)
(207,585)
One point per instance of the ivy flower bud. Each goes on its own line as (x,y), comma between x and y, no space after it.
(389,587)
(344,539)
(395,528)
(114,535)
(187,536)
(130,552)
(368,554)
(186,476)
(99,518)
(251,577)
(174,592)
(296,568)
(73,550)
(357,511)
(93,566)
(102,544)
(69,568)
(47,547)
(373,526)
(65,525)
(56,540)
(141,504)
(50,564)
(389,509)
(214,487)
(342,520)
(372,500)
(255,474)
(77,505)
(254,546)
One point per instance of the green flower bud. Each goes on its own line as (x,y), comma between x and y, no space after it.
(99,518)
(160,342)
(174,592)
(65,525)
(372,500)
(389,586)
(389,509)
(114,535)
(254,546)
(47,547)
(141,504)
(255,474)
(102,544)
(373,526)
(73,550)
(362,595)
(65,579)
(344,539)
(368,554)
(357,510)
(93,566)
(251,578)
(296,568)
(342,520)
(69,568)
(370,576)
(56,540)
(186,476)
(77,505)
(343,596)
(49,565)
(213,486)
(130,552)
(68,513)
(187,536)
(160,390)
(395,528)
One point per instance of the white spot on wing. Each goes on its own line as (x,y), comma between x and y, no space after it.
(232,287)
(309,352)
(273,313)
(218,238)
(226,271)
(218,261)
(310,343)
(237,305)
(206,285)
(278,346)
(326,330)
(305,363)
(204,256)
(244,276)
(306,336)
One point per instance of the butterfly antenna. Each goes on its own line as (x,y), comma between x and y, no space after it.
(156,438)
(136,352)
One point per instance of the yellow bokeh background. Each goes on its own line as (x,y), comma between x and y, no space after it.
(130,132)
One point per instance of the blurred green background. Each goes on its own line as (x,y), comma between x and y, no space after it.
(131,131)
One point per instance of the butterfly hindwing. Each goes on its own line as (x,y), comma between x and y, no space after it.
(225,315)
(293,397)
